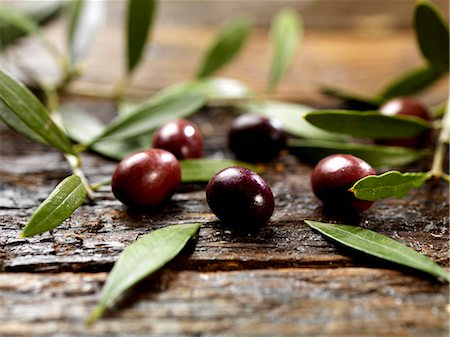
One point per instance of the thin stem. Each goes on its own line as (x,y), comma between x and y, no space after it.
(104,91)
(95,315)
(439,152)
(97,186)
(121,86)
(439,110)
(75,164)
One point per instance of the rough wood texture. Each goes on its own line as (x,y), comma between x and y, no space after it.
(285,302)
(284,280)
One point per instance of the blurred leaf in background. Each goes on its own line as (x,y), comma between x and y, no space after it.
(140,18)
(86,17)
(12,26)
(225,47)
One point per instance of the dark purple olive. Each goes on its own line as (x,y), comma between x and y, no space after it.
(146,178)
(180,137)
(255,138)
(334,175)
(404,106)
(240,198)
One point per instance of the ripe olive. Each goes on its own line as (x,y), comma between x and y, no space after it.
(255,138)
(146,178)
(180,137)
(240,198)
(334,175)
(404,106)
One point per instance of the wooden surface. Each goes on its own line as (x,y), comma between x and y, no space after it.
(284,280)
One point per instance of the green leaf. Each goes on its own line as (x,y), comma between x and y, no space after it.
(369,124)
(83,127)
(411,82)
(144,256)
(389,184)
(139,23)
(202,170)
(148,116)
(225,47)
(217,88)
(378,245)
(20,21)
(59,205)
(432,35)
(86,18)
(375,155)
(354,101)
(23,112)
(39,12)
(286,33)
(290,116)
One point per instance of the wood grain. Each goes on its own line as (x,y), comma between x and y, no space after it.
(283,302)
(284,280)
(100,231)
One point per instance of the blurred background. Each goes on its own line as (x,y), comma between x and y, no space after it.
(358,45)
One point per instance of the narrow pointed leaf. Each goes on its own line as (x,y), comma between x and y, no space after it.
(380,246)
(225,47)
(139,23)
(144,256)
(59,205)
(411,82)
(148,116)
(14,18)
(202,170)
(23,112)
(83,127)
(432,34)
(218,88)
(389,184)
(290,116)
(86,18)
(353,100)
(38,12)
(369,124)
(286,33)
(375,155)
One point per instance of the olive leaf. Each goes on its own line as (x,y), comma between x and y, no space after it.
(353,100)
(225,47)
(369,124)
(141,258)
(410,82)
(39,12)
(375,155)
(286,33)
(432,35)
(59,205)
(23,112)
(139,22)
(290,116)
(389,184)
(202,170)
(86,18)
(83,127)
(380,246)
(10,17)
(148,116)
(218,88)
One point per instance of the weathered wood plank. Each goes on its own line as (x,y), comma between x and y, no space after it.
(94,236)
(284,280)
(288,302)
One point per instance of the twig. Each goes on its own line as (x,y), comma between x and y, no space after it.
(439,152)
(75,164)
